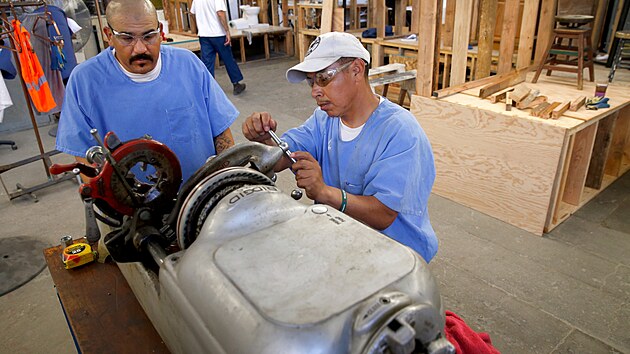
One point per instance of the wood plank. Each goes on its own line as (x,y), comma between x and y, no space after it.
(615,23)
(381,18)
(537,110)
(558,204)
(338,20)
(487,22)
(619,143)
(393,78)
(538,100)
(328,7)
(577,103)
(601,147)
(526,37)
(488,81)
(384,69)
(449,22)
(428,47)
(415,16)
(510,80)
(520,92)
(400,17)
(578,166)
(560,110)
(354,15)
(275,19)
(600,16)
(508,35)
(99,305)
(525,102)
(546,24)
(546,114)
(372,11)
(437,52)
(552,213)
(500,96)
(480,161)
(474,24)
(461,33)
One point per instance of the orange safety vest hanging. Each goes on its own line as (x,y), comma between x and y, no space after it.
(32,72)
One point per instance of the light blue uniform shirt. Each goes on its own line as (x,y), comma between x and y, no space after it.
(391,159)
(183,108)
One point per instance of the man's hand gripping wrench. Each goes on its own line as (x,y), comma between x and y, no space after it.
(296,193)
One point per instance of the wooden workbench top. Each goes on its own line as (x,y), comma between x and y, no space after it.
(102,311)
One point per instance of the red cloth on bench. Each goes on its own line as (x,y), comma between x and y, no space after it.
(465,340)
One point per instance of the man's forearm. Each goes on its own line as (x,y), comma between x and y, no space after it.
(367,209)
(223,20)
(223,141)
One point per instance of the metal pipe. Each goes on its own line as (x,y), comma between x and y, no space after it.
(157,253)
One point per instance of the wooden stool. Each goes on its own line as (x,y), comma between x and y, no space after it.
(582,51)
(624,37)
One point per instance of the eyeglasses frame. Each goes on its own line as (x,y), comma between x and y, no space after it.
(135,37)
(332,72)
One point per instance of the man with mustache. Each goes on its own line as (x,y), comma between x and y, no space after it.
(137,87)
(358,152)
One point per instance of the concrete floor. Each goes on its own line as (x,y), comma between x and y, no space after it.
(566,292)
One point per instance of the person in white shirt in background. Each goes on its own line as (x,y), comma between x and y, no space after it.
(214,37)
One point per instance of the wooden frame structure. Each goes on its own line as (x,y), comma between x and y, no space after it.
(530,172)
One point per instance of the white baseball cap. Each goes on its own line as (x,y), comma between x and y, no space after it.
(325,50)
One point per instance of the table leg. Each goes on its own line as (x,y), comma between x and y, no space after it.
(266,39)
(242,44)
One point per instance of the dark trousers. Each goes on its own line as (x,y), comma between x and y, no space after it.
(210,46)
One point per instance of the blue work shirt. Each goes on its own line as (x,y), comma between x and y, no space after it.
(183,108)
(391,159)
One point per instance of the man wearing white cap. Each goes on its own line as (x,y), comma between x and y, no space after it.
(358,152)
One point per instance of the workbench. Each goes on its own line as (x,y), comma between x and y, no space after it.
(530,172)
(276,33)
(269,32)
(101,310)
(189,42)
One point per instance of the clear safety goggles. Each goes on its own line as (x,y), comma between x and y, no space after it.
(127,39)
(323,78)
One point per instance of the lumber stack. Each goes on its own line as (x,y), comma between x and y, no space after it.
(523,97)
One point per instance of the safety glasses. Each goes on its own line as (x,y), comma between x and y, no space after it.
(127,39)
(323,78)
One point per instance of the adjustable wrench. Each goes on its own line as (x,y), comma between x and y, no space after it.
(296,193)
(283,145)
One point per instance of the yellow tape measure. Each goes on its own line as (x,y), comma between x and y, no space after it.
(77,254)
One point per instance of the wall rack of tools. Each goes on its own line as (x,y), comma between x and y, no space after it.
(9,9)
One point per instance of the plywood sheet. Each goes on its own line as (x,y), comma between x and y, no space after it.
(578,164)
(620,144)
(605,128)
(500,164)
